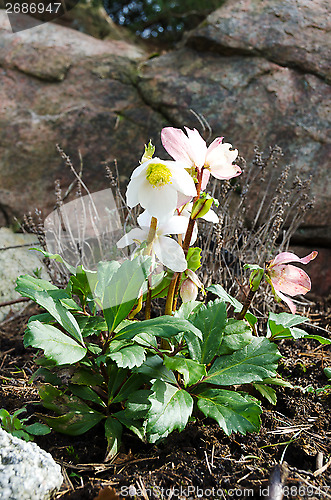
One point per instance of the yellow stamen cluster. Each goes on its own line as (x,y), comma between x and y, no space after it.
(158,174)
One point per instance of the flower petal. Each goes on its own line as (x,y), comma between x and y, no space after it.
(290,280)
(181,180)
(135,235)
(285,257)
(176,143)
(170,253)
(205,178)
(132,191)
(177,224)
(211,216)
(198,148)
(160,202)
(219,159)
(288,301)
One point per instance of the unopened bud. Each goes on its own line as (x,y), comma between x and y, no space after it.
(188,291)
(149,151)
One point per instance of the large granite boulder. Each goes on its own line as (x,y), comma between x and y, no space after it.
(242,71)
(59,86)
(293,34)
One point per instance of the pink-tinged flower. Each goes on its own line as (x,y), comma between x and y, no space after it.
(191,149)
(287,279)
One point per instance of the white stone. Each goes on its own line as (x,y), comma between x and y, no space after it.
(26,471)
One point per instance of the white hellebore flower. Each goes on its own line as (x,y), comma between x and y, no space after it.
(166,249)
(156,184)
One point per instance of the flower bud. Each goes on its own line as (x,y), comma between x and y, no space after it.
(188,291)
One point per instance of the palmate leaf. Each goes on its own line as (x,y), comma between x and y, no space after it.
(211,320)
(252,363)
(163,326)
(56,345)
(232,411)
(171,408)
(191,370)
(123,290)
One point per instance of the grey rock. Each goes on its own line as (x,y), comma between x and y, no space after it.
(16,259)
(294,34)
(26,471)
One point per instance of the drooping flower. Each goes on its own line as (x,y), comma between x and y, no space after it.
(216,159)
(156,185)
(190,286)
(287,279)
(165,248)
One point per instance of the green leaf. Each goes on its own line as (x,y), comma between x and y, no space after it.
(237,334)
(277,381)
(57,258)
(222,294)
(232,411)
(153,367)
(113,432)
(170,409)
(123,290)
(327,371)
(129,388)
(56,345)
(280,325)
(84,376)
(99,282)
(79,285)
(60,313)
(128,357)
(252,363)
(191,370)
(91,325)
(27,285)
(75,422)
(187,309)
(38,429)
(267,392)
(49,298)
(76,416)
(117,378)
(193,345)
(163,326)
(211,320)
(86,393)
(193,258)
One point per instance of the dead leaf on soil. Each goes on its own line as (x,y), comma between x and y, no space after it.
(107,493)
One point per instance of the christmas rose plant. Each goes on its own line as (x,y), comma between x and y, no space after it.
(104,354)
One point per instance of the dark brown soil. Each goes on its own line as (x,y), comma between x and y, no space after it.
(201,462)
